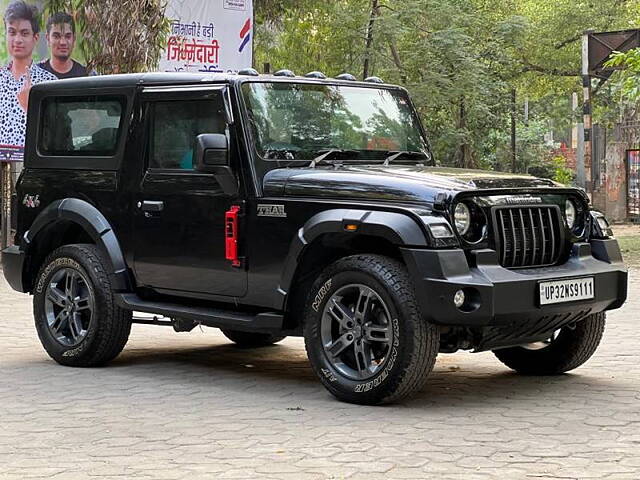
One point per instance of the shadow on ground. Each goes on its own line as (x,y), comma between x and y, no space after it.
(457,380)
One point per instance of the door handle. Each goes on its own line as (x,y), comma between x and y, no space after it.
(149,206)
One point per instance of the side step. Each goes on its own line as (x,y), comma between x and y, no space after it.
(266,322)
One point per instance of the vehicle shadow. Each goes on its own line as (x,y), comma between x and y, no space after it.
(455,381)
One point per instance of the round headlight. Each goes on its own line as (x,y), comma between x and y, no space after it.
(462,217)
(570,213)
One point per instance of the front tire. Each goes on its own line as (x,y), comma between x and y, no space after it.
(568,350)
(76,317)
(364,334)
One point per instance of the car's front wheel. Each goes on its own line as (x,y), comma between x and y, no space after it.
(76,317)
(566,349)
(364,334)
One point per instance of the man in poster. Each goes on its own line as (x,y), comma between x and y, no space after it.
(61,38)
(22,31)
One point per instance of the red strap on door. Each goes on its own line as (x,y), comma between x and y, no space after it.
(231,235)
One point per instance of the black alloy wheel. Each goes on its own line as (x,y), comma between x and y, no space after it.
(356,331)
(365,336)
(76,316)
(69,306)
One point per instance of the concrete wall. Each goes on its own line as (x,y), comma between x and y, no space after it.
(611,196)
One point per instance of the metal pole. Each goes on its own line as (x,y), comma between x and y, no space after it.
(5,181)
(580,178)
(586,84)
(574,129)
(514,154)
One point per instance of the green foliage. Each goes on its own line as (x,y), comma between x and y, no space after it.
(553,168)
(460,59)
(627,81)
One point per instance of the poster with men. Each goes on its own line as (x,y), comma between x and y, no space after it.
(23,25)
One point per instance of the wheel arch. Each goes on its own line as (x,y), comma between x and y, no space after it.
(323,240)
(67,221)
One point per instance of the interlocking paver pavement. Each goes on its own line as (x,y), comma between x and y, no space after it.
(176,406)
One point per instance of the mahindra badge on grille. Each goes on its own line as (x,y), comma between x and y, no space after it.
(520,200)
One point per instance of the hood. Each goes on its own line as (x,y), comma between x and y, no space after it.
(401,183)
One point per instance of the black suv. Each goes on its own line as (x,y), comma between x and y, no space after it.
(269,206)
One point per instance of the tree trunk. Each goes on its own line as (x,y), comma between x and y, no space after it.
(369,38)
(464,154)
(396,60)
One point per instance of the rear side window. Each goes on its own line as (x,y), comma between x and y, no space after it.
(81,126)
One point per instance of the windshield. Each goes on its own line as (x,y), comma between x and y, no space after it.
(292,121)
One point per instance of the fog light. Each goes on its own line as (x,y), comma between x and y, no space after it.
(458,299)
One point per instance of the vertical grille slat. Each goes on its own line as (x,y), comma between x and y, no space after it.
(553,239)
(524,239)
(528,236)
(514,230)
(544,238)
(504,238)
(535,239)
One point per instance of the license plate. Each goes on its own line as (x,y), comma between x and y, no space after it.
(560,291)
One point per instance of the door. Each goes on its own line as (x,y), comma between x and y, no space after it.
(179,222)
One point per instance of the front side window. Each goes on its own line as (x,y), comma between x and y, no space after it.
(299,121)
(176,125)
(81,126)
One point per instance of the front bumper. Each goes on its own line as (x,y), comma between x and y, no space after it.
(510,297)
(12,267)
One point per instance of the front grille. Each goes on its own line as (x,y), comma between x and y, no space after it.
(528,236)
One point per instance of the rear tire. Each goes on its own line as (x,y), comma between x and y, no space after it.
(252,340)
(76,317)
(570,349)
(364,334)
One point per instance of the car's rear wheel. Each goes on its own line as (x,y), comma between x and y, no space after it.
(76,317)
(364,334)
(566,349)
(252,340)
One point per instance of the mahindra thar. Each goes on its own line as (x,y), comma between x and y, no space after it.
(273,206)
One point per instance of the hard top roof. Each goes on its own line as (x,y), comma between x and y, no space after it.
(182,78)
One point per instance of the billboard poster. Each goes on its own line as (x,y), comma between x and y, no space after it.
(205,36)
(209,36)
(34,50)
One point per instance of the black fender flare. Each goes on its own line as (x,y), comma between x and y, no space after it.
(97,227)
(398,228)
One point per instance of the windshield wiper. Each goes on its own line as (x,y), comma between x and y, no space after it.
(394,155)
(326,154)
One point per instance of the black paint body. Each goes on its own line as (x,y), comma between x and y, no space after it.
(176,256)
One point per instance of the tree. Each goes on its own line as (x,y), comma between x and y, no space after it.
(118,36)
(628,79)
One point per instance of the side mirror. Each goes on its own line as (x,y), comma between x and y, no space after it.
(212,150)
(212,156)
